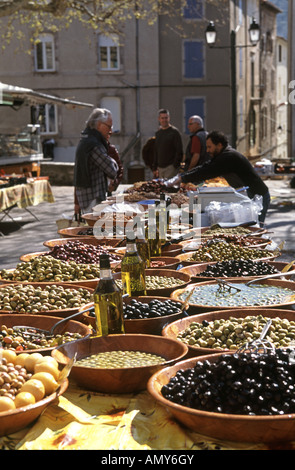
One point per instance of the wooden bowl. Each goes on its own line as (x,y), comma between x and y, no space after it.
(172,330)
(251,229)
(250,242)
(199,308)
(89,283)
(185,258)
(44,322)
(227,427)
(109,243)
(30,256)
(121,380)
(54,313)
(196,270)
(71,232)
(170,262)
(171,250)
(149,326)
(164,291)
(15,420)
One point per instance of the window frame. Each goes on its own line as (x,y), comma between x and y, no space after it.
(42,41)
(41,118)
(108,43)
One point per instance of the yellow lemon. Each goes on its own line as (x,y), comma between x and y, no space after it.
(9,354)
(48,381)
(20,359)
(44,366)
(6,404)
(31,360)
(35,387)
(49,359)
(24,399)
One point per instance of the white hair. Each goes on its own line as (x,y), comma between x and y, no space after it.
(98,114)
(197,119)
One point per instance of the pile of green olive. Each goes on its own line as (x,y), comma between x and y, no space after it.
(232,333)
(159,282)
(30,299)
(120,359)
(24,340)
(220,250)
(228,231)
(47,268)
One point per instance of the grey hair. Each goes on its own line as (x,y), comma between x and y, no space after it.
(197,119)
(98,114)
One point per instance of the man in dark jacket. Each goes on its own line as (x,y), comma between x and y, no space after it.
(93,165)
(196,152)
(231,165)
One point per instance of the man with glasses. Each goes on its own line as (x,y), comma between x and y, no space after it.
(196,153)
(93,165)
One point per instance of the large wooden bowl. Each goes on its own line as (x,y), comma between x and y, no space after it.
(250,242)
(199,308)
(54,313)
(171,250)
(89,283)
(196,270)
(71,232)
(173,329)
(185,258)
(15,420)
(227,427)
(149,326)
(109,243)
(121,380)
(44,322)
(164,291)
(251,229)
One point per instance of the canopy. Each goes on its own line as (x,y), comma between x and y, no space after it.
(16,96)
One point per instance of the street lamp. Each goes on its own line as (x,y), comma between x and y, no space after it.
(254,36)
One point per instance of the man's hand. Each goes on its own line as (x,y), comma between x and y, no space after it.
(175,181)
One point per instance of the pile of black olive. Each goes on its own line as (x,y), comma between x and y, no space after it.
(153,309)
(83,253)
(86,231)
(240,383)
(239,268)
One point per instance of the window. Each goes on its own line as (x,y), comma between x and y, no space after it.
(46,116)
(252,133)
(108,53)
(44,54)
(193,105)
(194,10)
(193,59)
(114,105)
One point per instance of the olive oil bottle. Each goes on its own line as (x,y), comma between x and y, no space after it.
(108,302)
(143,248)
(152,233)
(133,270)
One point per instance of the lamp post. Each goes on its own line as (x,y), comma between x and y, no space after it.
(254,36)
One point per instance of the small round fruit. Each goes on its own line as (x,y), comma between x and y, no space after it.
(24,399)
(6,404)
(35,387)
(47,367)
(20,359)
(48,381)
(49,359)
(9,354)
(31,360)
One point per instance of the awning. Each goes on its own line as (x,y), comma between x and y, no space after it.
(16,96)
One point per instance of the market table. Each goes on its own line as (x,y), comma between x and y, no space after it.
(84,420)
(25,195)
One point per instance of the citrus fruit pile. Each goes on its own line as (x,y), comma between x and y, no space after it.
(26,378)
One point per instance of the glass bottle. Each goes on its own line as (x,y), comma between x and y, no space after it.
(152,234)
(143,248)
(132,270)
(108,302)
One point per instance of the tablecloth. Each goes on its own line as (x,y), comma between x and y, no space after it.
(25,195)
(84,420)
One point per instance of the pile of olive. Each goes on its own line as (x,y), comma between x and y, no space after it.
(86,231)
(154,309)
(159,282)
(47,268)
(245,384)
(233,332)
(228,231)
(238,295)
(80,252)
(239,268)
(30,299)
(23,340)
(220,250)
(120,359)
(238,239)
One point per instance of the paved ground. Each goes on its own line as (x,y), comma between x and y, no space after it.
(28,234)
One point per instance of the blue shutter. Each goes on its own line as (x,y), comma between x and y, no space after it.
(194,106)
(193,59)
(194,9)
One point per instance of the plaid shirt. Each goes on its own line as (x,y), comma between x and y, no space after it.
(101,167)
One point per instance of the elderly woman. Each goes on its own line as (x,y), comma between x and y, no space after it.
(93,165)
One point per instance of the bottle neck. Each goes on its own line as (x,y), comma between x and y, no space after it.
(131,246)
(106,273)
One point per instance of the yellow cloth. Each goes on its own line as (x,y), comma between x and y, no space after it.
(82,420)
(25,195)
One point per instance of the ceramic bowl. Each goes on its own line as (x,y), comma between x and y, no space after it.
(118,380)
